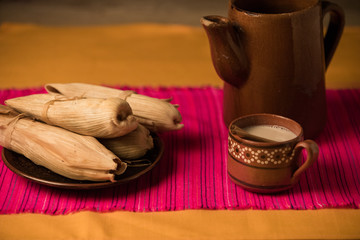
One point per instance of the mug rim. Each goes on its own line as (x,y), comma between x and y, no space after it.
(298,138)
(232,5)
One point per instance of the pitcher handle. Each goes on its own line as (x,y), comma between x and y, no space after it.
(312,154)
(334,30)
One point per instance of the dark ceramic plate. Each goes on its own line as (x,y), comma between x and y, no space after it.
(26,168)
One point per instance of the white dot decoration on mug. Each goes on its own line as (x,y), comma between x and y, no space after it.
(260,156)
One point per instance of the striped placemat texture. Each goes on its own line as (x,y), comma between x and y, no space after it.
(192,173)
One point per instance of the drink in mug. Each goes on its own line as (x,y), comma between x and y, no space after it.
(272,132)
(268,166)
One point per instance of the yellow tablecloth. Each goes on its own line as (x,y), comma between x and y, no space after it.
(153,55)
(134,55)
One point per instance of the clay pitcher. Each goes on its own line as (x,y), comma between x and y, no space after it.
(272,56)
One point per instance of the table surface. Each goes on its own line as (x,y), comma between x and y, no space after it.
(154,55)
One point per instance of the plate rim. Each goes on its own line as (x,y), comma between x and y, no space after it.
(87,185)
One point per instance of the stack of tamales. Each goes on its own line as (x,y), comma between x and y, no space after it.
(83,131)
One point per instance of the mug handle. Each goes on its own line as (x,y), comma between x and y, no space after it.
(334,30)
(312,155)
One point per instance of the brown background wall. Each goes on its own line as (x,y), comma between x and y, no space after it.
(80,12)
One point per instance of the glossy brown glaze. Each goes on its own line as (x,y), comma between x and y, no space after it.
(272,57)
(268,167)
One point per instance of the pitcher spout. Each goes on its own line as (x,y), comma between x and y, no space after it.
(227,51)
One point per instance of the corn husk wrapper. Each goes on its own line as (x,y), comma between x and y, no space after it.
(133,145)
(66,153)
(155,114)
(105,118)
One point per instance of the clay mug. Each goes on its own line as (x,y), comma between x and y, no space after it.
(268,166)
(272,56)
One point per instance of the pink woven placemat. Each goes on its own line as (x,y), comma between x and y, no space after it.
(192,173)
